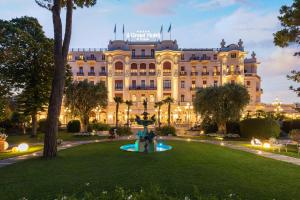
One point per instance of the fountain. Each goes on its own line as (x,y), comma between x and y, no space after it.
(146,140)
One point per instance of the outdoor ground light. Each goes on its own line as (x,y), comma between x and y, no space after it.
(267,145)
(23,147)
(14,150)
(256,142)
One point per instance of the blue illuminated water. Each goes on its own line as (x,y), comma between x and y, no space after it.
(134,147)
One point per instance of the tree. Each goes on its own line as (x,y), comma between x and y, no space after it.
(158,105)
(118,101)
(82,97)
(61,49)
(221,104)
(24,46)
(168,101)
(290,34)
(128,103)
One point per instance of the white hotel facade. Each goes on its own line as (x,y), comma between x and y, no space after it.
(155,70)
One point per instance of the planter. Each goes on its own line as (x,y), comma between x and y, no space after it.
(3,145)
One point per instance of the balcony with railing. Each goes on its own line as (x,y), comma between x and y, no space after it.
(183,73)
(194,73)
(91,73)
(91,58)
(216,73)
(142,57)
(142,87)
(119,73)
(167,88)
(119,88)
(143,73)
(80,58)
(234,73)
(200,58)
(167,73)
(103,73)
(205,73)
(80,74)
(193,88)
(152,73)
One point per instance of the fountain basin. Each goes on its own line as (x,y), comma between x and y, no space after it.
(134,148)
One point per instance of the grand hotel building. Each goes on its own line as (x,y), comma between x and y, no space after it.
(155,70)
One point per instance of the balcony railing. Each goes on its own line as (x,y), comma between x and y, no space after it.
(142,87)
(143,73)
(91,73)
(133,73)
(80,58)
(194,73)
(142,57)
(80,74)
(205,73)
(183,73)
(195,88)
(200,58)
(119,73)
(233,73)
(152,73)
(167,88)
(119,88)
(91,58)
(102,74)
(216,73)
(167,73)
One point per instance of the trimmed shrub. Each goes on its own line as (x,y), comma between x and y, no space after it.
(208,126)
(42,125)
(288,125)
(73,126)
(166,130)
(262,128)
(121,131)
(295,134)
(100,127)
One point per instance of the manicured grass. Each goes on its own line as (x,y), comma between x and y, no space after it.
(64,135)
(9,154)
(212,169)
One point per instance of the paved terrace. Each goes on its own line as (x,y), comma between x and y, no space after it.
(228,144)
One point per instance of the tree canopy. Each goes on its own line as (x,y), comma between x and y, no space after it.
(221,104)
(27,64)
(290,34)
(82,97)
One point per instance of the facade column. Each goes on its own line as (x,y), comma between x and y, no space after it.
(126,79)
(159,81)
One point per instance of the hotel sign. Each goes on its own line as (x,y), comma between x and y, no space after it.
(143,35)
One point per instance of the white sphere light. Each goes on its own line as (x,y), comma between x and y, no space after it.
(23,147)
(5,145)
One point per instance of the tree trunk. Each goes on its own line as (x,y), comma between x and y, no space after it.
(34,125)
(128,116)
(117,115)
(222,128)
(158,117)
(84,123)
(169,115)
(60,59)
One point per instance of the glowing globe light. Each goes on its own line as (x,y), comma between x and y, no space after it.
(5,145)
(14,149)
(222,144)
(23,147)
(267,145)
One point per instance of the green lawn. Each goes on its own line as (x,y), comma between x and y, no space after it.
(64,135)
(212,169)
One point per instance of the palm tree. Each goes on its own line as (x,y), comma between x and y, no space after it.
(129,103)
(168,101)
(118,101)
(158,106)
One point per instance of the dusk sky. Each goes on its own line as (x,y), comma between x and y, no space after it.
(195,24)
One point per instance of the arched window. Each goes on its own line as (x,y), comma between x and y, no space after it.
(151,69)
(133,69)
(118,68)
(143,68)
(167,68)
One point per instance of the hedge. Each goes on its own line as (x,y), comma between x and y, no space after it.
(262,128)
(121,131)
(289,125)
(166,130)
(100,127)
(73,126)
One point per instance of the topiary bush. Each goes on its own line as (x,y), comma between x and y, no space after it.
(73,126)
(100,127)
(42,125)
(166,130)
(262,128)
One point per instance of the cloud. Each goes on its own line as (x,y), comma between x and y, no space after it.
(156,7)
(215,4)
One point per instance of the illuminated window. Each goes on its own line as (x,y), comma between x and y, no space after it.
(103,57)
(193,84)
(167,84)
(151,83)
(233,55)
(70,57)
(182,98)
(152,98)
(152,53)
(182,84)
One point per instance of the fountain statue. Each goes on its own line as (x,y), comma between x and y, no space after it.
(146,140)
